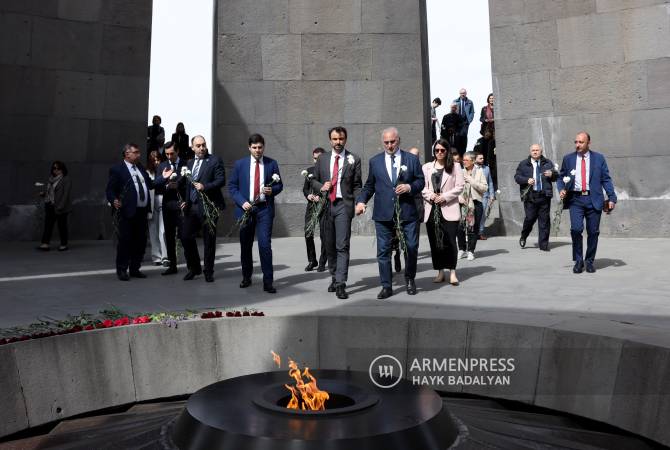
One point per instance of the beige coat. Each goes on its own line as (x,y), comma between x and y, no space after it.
(476,187)
(450,189)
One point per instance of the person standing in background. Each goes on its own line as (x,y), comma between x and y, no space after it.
(181,143)
(155,217)
(57,205)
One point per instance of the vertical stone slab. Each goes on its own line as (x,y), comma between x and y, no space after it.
(13,416)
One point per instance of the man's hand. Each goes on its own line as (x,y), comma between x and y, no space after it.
(562,194)
(360,208)
(611,206)
(326,186)
(246,206)
(267,190)
(531,181)
(403,189)
(548,173)
(199,186)
(117,203)
(167,172)
(313,198)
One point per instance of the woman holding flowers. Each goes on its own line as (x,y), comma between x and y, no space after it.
(444,183)
(471,206)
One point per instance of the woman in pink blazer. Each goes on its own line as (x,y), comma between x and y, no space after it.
(442,213)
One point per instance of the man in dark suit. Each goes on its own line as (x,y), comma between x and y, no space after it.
(338,175)
(534,176)
(467,112)
(390,174)
(128,193)
(209,176)
(173,191)
(583,177)
(312,196)
(253,186)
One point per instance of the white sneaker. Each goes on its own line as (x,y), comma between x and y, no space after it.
(461,254)
(471,256)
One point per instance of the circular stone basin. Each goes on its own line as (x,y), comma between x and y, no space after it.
(248,413)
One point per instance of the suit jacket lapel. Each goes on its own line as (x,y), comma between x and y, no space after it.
(246,182)
(445,177)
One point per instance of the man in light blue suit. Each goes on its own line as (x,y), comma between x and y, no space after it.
(583,195)
(253,189)
(393,173)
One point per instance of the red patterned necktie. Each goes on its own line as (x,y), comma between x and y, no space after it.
(257,181)
(333,181)
(584,174)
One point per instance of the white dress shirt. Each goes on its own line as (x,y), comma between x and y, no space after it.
(536,166)
(578,171)
(252,173)
(340,164)
(137,177)
(396,163)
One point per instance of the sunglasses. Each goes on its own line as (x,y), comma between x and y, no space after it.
(440,150)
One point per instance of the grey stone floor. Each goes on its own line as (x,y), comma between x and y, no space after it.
(627,297)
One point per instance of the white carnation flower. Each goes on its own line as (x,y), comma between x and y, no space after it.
(573,172)
(567,179)
(304,173)
(556,167)
(498,191)
(275,178)
(38,184)
(310,176)
(173,176)
(403,168)
(185,171)
(350,159)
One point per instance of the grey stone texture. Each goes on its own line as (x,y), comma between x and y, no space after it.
(74,83)
(562,66)
(292,69)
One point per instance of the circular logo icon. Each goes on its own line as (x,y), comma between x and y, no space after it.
(385,371)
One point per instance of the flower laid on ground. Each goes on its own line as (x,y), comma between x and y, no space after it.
(112,318)
(242,221)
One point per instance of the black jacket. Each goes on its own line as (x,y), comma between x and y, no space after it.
(525,171)
(451,124)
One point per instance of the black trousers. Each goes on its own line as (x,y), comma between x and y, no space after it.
(192,223)
(472,232)
(445,255)
(309,241)
(537,207)
(50,219)
(132,241)
(173,224)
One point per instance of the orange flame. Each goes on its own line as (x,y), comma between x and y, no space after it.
(304,395)
(276,358)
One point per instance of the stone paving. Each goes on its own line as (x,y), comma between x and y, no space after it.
(626,298)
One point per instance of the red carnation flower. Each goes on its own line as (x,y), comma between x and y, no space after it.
(230,314)
(107,323)
(238,314)
(246,313)
(89,327)
(218,314)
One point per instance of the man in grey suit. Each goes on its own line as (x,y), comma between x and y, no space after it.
(338,176)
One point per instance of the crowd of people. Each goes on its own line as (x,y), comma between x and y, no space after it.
(178,196)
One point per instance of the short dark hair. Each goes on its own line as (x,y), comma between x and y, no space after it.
(168,144)
(256,139)
(478,152)
(60,165)
(318,150)
(127,147)
(437,100)
(339,130)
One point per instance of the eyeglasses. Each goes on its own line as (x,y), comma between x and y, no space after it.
(389,142)
(440,150)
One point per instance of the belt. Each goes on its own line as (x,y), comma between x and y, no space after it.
(583,192)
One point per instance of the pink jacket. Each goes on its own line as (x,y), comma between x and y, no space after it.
(451,188)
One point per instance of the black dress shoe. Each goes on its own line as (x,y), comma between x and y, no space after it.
(544,249)
(332,287)
(122,275)
(209,277)
(589,267)
(245,283)
(311,266)
(385,293)
(411,287)
(396,260)
(579,267)
(269,289)
(522,242)
(169,271)
(137,274)
(191,274)
(321,269)
(341,293)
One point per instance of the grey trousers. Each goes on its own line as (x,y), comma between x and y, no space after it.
(337,229)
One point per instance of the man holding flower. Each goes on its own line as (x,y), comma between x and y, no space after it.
(535,175)
(394,178)
(253,186)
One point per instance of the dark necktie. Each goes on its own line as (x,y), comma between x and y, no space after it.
(194,176)
(394,173)
(333,190)
(257,181)
(140,188)
(584,174)
(538,177)
(463,108)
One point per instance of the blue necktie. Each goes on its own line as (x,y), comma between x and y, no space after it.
(394,173)
(538,177)
(196,170)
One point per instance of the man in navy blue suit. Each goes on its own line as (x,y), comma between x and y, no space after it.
(174,192)
(253,186)
(128,193)
(209,176)
(583,194)
(393,173)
